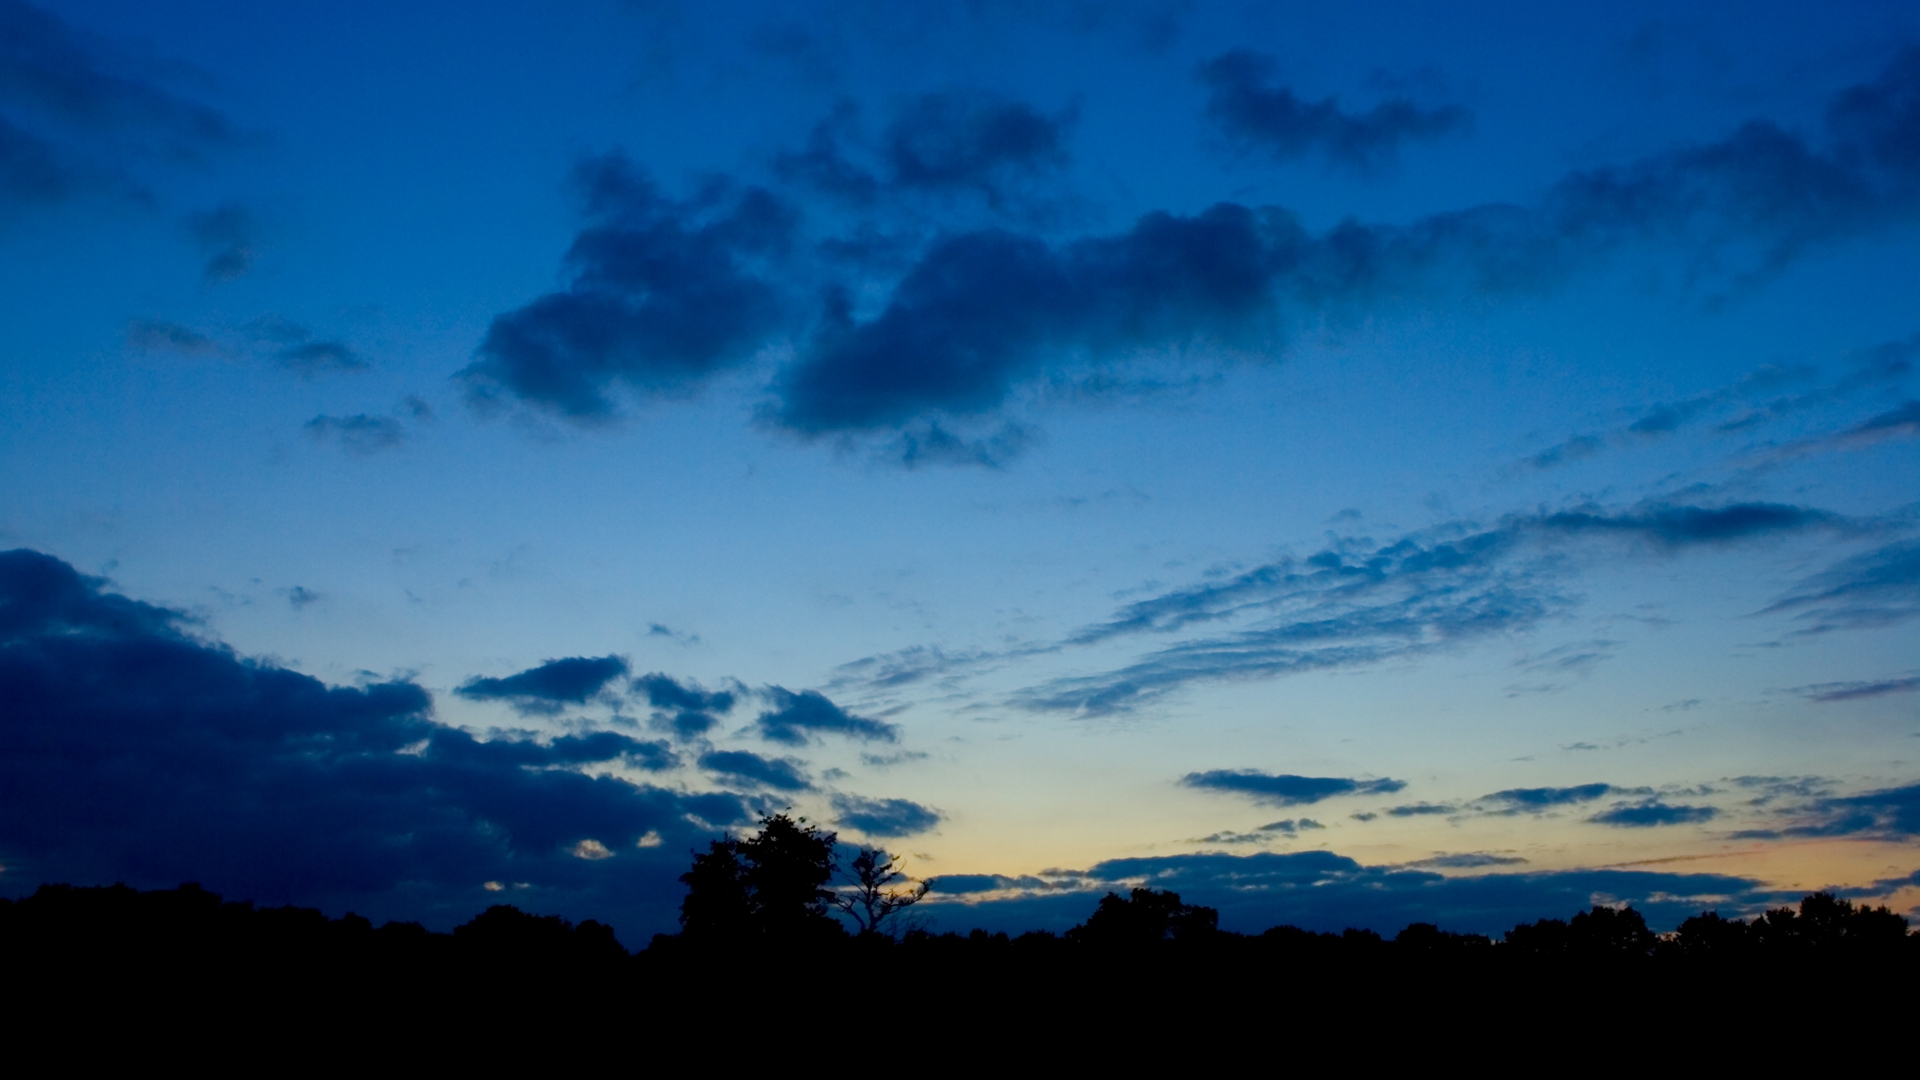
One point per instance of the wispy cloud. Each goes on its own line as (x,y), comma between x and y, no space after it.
(1359,603)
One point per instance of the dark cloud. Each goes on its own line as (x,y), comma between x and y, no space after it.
(1575,448)
(1264,834)
(683,707)
(130,750)
(1466,860)
(984,311)
(1653,813)
(226,232)
(884,818)
(938,143)
(1322,891)
(299,596)
(1902,419)
(1546,798)
(320,358)
(745,767)
(544,690)
(795,719)
(70,122)
(969,141)
(663,294)
(359,433)
(1422,809)
(1876,588)
(157,335)
(1255,114)
(1679,526)
(1360,602)
(1855,691)
(1889,813)
(1283,789)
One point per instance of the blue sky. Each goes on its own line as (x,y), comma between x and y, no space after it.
(1467,451)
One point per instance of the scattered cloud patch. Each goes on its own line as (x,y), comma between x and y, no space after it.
(1653,813)
(1874,589)
(797,718)
(1254,114)
(1857,690)
(360,433)
(76,119)
(663,295)
(746,767)
(1889,813)
(226,233)
(300,597)
(158,335)
(884,818)
(546,689)
(1466,860)
(1284,789)
(1422,809)
(1546,798)
(683,708)
(935,144)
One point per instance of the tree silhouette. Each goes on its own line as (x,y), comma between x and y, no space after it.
(874,898)
(1148,916)
(770,885)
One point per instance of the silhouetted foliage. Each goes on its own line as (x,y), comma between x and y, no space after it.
(875,897)
(769,887)
(1147,917)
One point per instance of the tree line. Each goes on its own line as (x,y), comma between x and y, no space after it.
(781,891)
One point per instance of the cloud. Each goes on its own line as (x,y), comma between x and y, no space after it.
(1422,809)
(131,750)
(320,357)
(1653,813)
(1284,789)
(1359,603)
(937,143)
(663,295)
(544,690)
(1873,589)
(299,596)
(1546,798)
(1574,449)
(745,767)
(1886,362)
(1322,891)
(1466,860)
(884,818)
(683,708)
(360,433)
(795,719)
(667,294)
(983,311)
(70,123)
(158,335)
(1264,834)
(226,232)
(1855,691)
(1889,813)
(1254,114)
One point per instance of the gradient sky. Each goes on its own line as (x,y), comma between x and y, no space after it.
(1352,463)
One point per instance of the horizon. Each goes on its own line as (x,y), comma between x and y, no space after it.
(1346,466)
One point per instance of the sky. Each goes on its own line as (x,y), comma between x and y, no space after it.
(1351,464)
